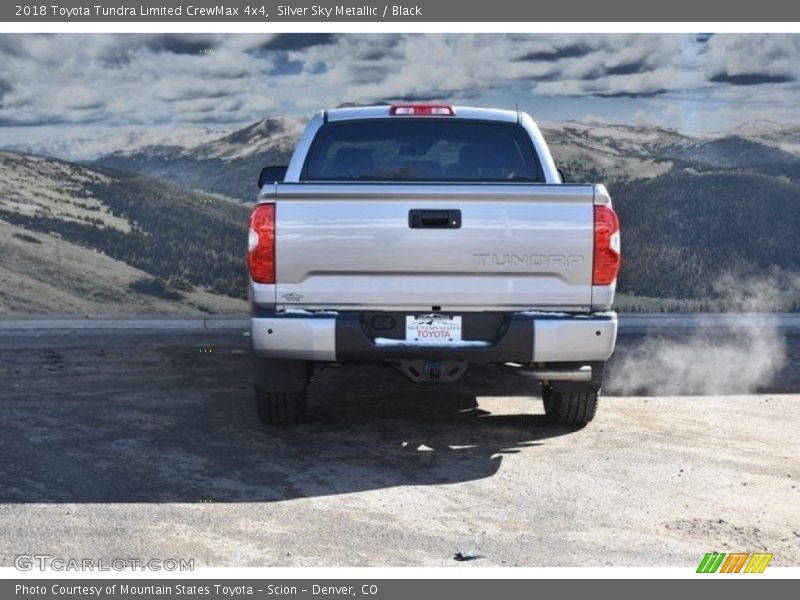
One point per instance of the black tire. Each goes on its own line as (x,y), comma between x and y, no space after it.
(280,408)
(571,406)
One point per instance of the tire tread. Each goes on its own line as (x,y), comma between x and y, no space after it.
(571,408)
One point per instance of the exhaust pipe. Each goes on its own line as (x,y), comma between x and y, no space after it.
(580,374)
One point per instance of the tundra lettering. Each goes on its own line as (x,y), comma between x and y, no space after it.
(427,238)
(528,260)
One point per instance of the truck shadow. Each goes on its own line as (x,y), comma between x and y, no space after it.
(160,424)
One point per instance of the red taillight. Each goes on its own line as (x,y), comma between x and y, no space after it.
(261,244)
(429,110)
(607,256)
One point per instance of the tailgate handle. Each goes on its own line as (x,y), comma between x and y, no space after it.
(434,219)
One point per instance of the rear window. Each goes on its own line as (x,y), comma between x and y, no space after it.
(422,149)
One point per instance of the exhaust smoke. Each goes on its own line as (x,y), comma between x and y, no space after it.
(737,357)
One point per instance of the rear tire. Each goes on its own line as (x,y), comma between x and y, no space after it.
(569,405)
(280,408)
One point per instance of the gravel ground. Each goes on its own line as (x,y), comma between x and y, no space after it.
(147,446)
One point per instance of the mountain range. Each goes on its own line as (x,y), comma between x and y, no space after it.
(694,208)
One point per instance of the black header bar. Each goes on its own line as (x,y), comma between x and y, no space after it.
(441,11)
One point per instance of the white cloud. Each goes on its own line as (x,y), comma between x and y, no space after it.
(174,80)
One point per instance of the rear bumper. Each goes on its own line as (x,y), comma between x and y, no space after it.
(524,337)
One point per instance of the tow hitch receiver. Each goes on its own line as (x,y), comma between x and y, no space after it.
(433,371)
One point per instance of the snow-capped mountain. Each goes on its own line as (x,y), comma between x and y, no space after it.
(612,151)
(783,137)
(228,164)
(85,149)
(262,137)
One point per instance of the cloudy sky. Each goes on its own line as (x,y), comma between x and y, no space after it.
(62,85)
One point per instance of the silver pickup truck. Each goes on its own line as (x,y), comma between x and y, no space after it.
(427,237)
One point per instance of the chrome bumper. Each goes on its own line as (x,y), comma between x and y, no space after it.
(557,338)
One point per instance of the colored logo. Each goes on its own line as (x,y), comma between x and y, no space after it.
(734,562)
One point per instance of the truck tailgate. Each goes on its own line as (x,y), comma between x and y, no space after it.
(352,246)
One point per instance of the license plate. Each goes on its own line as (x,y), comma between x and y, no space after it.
(433,329)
